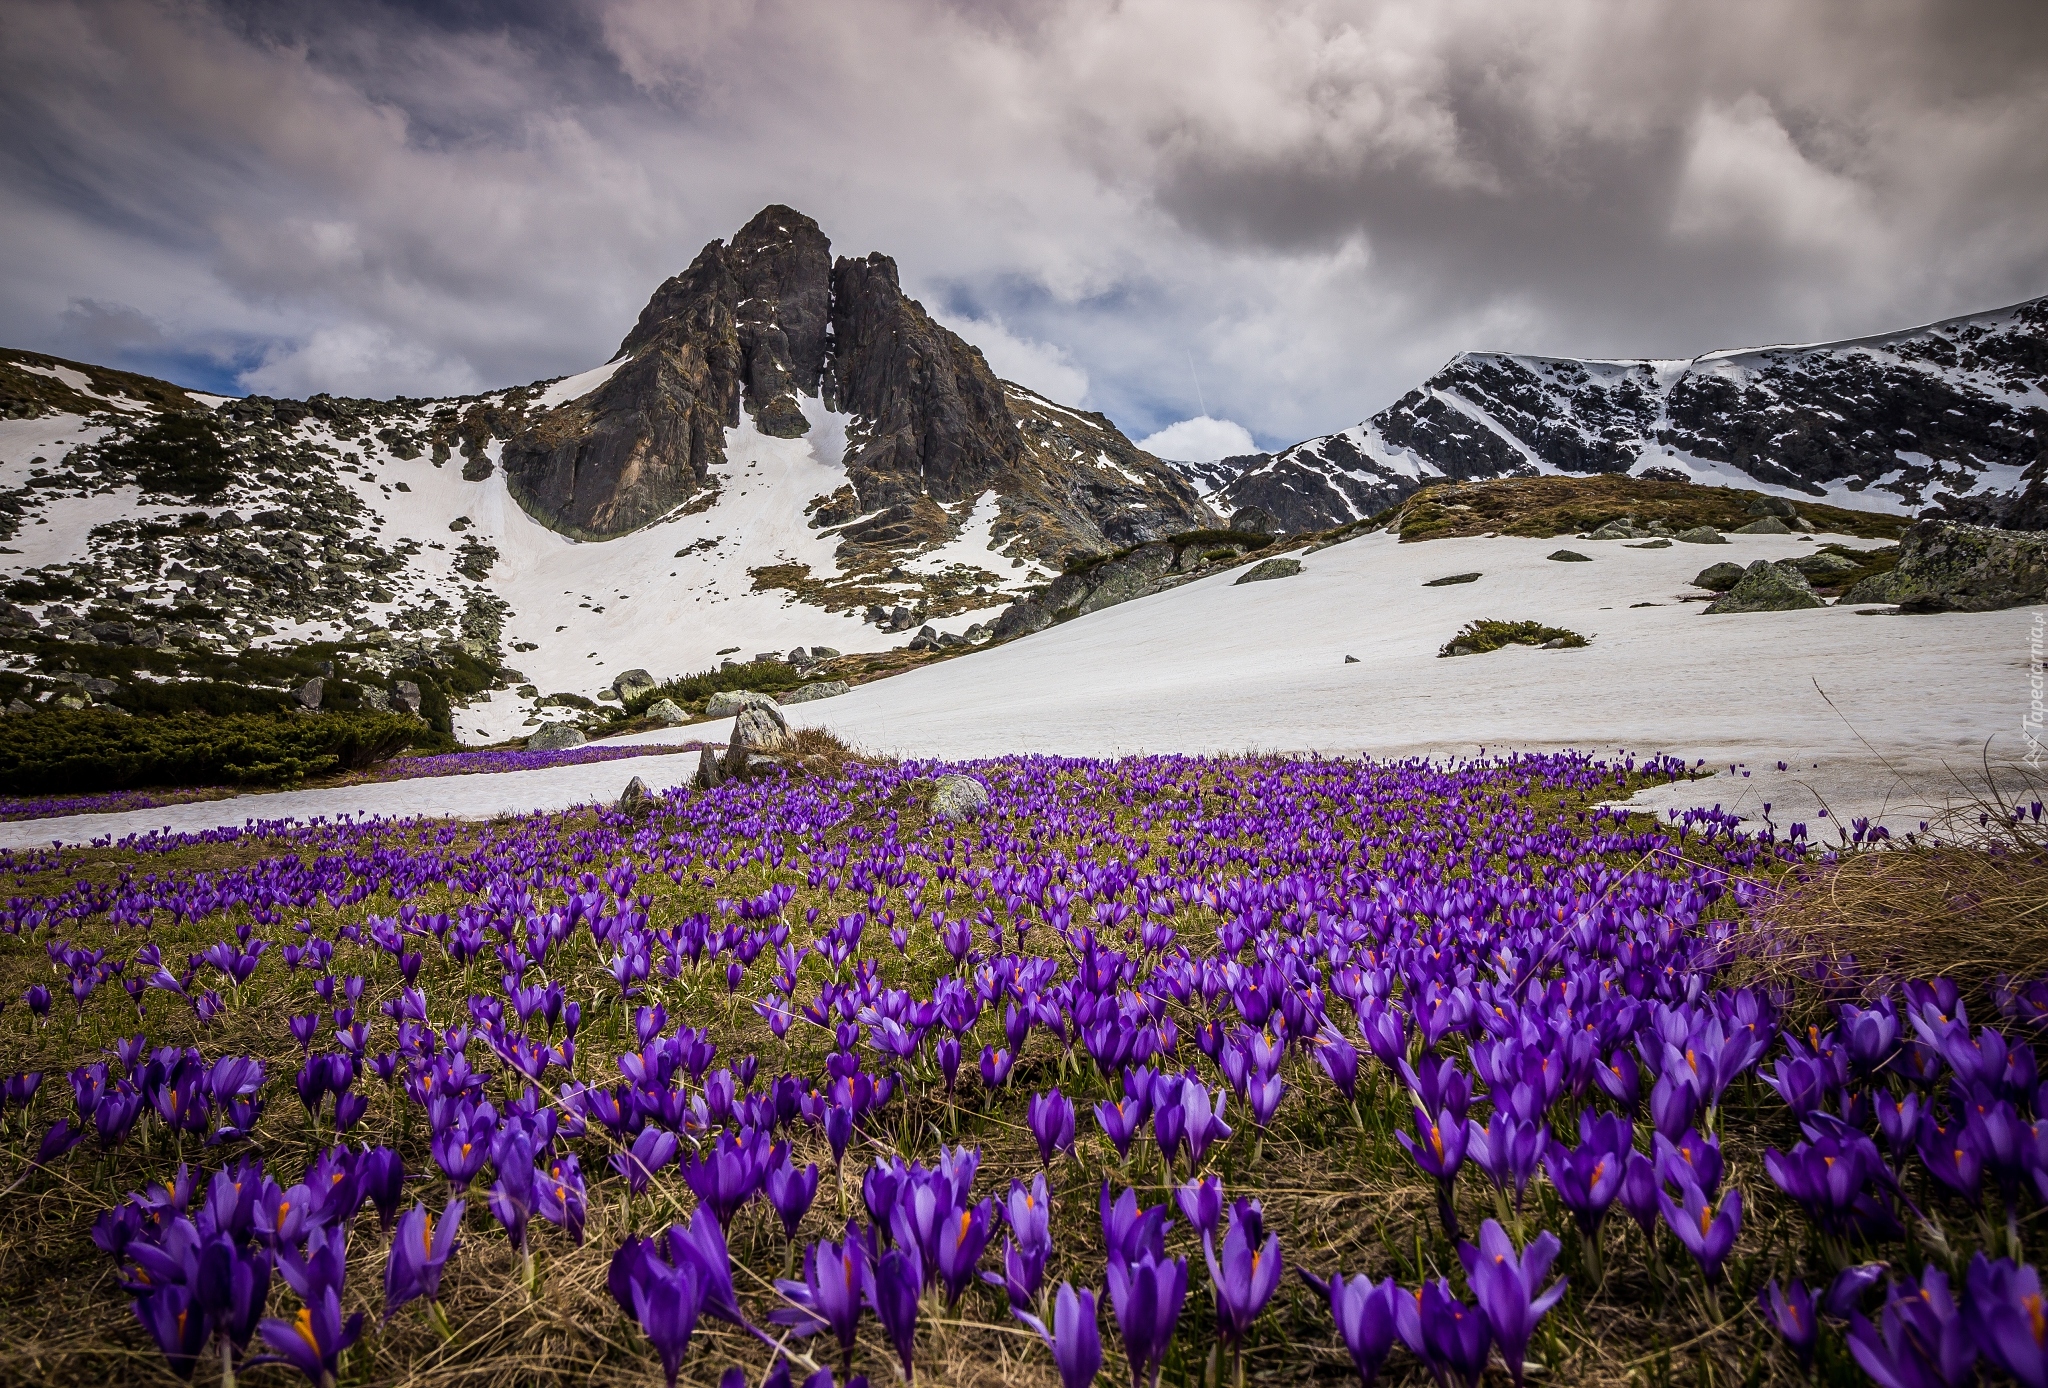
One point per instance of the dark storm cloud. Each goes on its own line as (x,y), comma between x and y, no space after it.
(1291,210)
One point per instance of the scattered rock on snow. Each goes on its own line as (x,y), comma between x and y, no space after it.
(1702,535)
(1769,525)
(1945,566)
(1350,660)
(1449,579)
(958,797)
(633,682)
(666,711)
(1270,568)
(759,731)
(1718,578)
(727,703)
(554,737)
(822,689)
(1767,587)
(1659,543)
(1568,556)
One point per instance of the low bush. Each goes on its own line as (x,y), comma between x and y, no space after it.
(95,749)
(1491,635)
(690,691)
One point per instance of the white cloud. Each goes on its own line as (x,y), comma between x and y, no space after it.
(357,360)
(1039,366)
(1200,440)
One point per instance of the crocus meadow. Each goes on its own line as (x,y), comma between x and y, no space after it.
(1174,1069)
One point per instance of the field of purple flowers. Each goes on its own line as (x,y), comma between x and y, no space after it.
(397,769)
(1170,1070)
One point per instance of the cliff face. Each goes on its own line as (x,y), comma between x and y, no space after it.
(770,322)
(1950,419)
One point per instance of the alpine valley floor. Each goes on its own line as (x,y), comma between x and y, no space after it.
(1883,716)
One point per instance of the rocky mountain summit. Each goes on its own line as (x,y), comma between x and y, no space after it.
(1950,419)
(771,324)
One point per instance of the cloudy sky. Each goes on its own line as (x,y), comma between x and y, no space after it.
(1224,219)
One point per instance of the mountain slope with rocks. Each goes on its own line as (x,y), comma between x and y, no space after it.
(786,452)
(1949,419)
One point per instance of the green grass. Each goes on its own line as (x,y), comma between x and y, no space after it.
(1476,638)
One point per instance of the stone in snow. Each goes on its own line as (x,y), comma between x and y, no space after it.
(1270,568)
(821,689)
(1568,556)
(1718,578)
(728,703)
(554,737)
(633,682)
(1702,535)
(1767,587)
(667,712)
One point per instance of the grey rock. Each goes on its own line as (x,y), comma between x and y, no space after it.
(1022,618)
(1945,566)
(1825,566)
(759,730)
(1122,579)
(112,633)
(631,683)
(710,770)
(376,699)
(1769,525)
(1767,587)
(1615,530)
(1449,579)
(309,693)
(409,695)
(555,737)
(1718,578)
(823,653)
(1270,568)
(1568,556)
(20,706)
(958,797)
(636,799)
(822,689)
(1254,520)
(1701,535)
(1351,660)
(727,703)
(900,619)
(667,711)
(1659,543)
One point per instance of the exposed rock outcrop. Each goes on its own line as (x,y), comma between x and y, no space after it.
(1767,587)
(1945,566)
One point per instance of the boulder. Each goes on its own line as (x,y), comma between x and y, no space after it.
(710,771)
(760,730)
(667,712)
(631,683)
(1945,566)
(1659,543)
(1767,587)
(636,799)
(1701,535)
(823,653)
(1021,618)
(1568,556)
(1824,566)
(1449,579)
(1119,580)
(727,703)
(927,639)
(1254,520)
(822,689)
(554,737)
(958,797)
(1270,568)
(1718,577)
(1769,525)
(408,694)
(1616,530)
(309,693)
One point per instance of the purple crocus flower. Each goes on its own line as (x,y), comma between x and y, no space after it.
(1505,1284)
(1201,1204)
(381,1175)
(1364,1311)
(1339,1059)
(962,1238)
(559,1195)
(1640,1193)
(1706,1227)
(313,1341)
(893,1288)
(179,1330)
(2008,1317)
(419,1252)
(1446,1334)
(666,1300)
(1587,1178)
(1130,1231)
(1507,1150)
(791,1192)
(1790,1310)
(831,1294)
(1119,1120)
(1075,1338)
(1921,1339)
(652,1150)
(1202,1115)
(1051,1117)
(1689,1157)
(1147,1296)
(1246,1275)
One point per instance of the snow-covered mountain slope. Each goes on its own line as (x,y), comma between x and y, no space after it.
(1866,712)
(784,452)
(1950,418)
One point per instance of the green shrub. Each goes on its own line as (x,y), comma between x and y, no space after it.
(1491,635)
(93,749)
(690,691)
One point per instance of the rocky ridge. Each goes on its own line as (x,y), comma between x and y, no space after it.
(1948,419)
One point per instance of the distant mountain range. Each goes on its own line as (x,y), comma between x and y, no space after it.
(1951,419)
